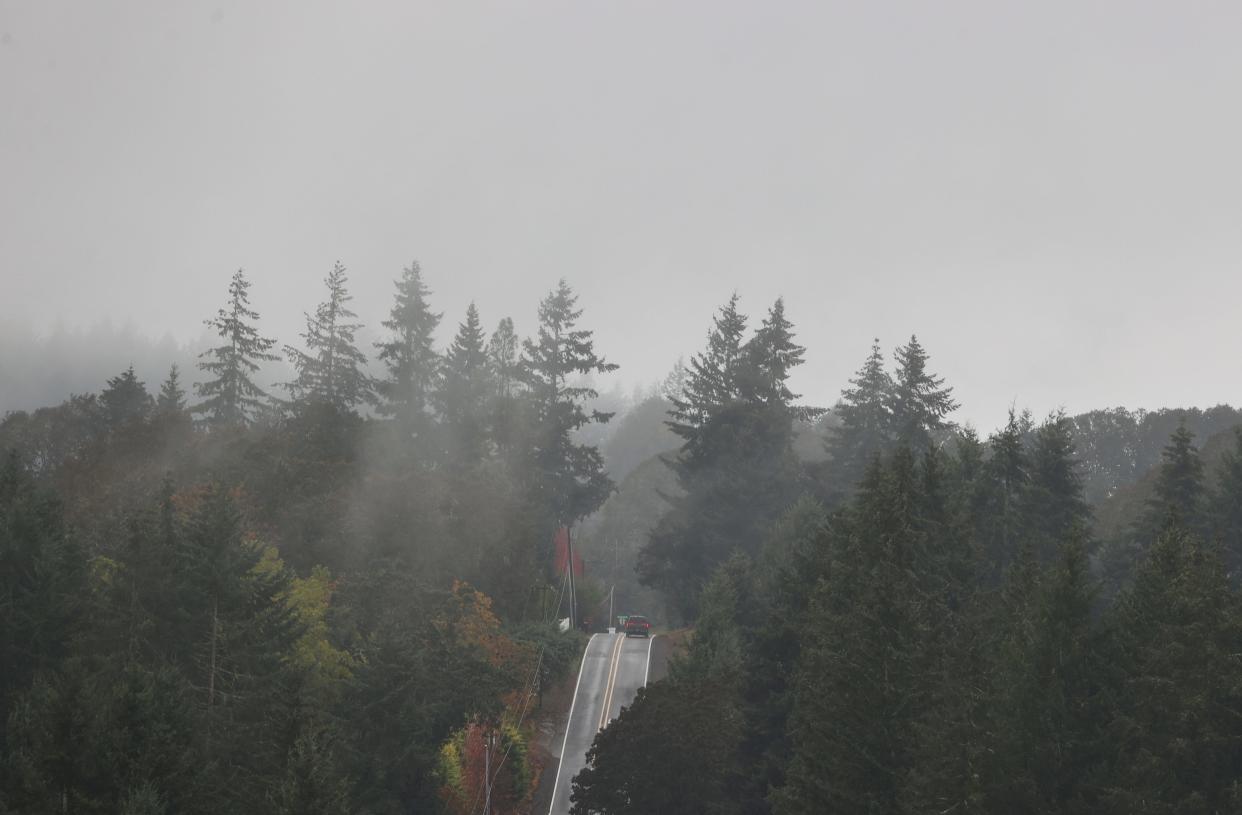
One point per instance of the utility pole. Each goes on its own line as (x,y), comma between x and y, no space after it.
(569,564)
(487,773)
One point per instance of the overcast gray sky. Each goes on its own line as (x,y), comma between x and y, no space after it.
(1048,193)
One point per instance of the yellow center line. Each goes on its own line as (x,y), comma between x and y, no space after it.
(612,681)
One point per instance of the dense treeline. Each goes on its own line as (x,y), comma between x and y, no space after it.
(927,623)
(340,596)
(330,599)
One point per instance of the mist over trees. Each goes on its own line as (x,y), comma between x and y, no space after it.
(331,597)
(237,601)
(931,622)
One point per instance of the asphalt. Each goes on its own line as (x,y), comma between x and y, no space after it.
(613,668)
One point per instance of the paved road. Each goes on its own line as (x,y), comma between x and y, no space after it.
(613,668)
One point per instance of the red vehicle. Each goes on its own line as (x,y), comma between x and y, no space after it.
(637,627)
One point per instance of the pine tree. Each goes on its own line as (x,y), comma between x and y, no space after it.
(1179,490)
(235,641)
(502,355)
(865,431)
(230,397)
(42,583)
(465,388)
(171,399)
(330,371)
(1226,509)
(1175,738)
(999,523)
(1054,508)
(768,358)
(671,751)
(711,381)
(919,402)
(674,384)
(505,363)
(125,400)
(866,675)
(570,478)
(737,468)
(1046,709)
(410,356)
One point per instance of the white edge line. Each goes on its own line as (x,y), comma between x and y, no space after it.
(568,721)
(647,670)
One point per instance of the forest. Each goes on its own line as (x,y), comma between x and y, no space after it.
(339,595)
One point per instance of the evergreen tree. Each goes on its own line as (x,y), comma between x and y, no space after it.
(768,359)
(125,400)
(771,621)
(1179,489)
(1054,508)
(672,750)
(502,355)
(1046,696)
(711,381)
(410,356)
(865,431)
(1175,737)
(999,524)
(171,399)
(504,361)
(235,638)
(570,481)
(230,397)
(919,402)
(1226,509)
(464,392)
(946,731)
(674,384)
(737,467)
(42,583)
(330,371)
(866,675)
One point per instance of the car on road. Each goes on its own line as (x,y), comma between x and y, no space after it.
(637,626)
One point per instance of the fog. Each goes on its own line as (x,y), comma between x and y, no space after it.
(1045,193)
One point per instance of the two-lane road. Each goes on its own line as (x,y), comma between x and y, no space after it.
(614,667)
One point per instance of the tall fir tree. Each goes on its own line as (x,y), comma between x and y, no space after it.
(1046,702)
(769,357)
(1180,493)
(711,380)
(1225,509)
(125,400)
(736,467)
(171,398)
(42,582)
(504,360)
(466,386)
(409,355)
(1054,508)
(999,522)
(866,674)
(865,430)
(919,401)
(235,642)
(1175,736)
(503,354)
(230,397)
(570,481)
(330,370)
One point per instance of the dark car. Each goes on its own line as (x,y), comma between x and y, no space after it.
(637,626)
